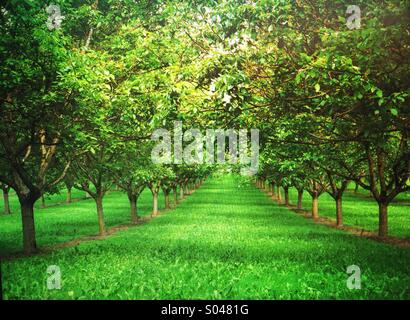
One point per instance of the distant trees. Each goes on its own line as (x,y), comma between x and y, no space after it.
(70,97)
(334,101)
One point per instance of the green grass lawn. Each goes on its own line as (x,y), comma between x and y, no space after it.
(61,222)
(362,211)
(227,241)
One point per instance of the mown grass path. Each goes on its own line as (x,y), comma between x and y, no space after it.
(227,241)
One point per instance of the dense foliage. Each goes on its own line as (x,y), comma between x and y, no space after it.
(79,102)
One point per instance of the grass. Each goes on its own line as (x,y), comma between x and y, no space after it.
(227,241)
(60,222)
(362,210)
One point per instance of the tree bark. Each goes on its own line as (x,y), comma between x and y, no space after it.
(181,192)
(286,189)
(383,221)
(167,204)
(43,201)
(279,195)
(100,213)
(6,201)
(339,212)
(356,189)
(29,230)
(154,204)
(315,206)
(68,200)
(133,208)
(300,199)
(273,192)
(175,197)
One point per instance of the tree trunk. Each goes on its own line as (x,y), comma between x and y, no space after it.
(174,191)
(273,192)
(154,204)
(287,203)
(300,199)
(356,189)
(100,213)
(6,201)
(29,230)
(43,201)
(315,206)
(339,212)
(383,221)
(181,192)
(279,195)
(133,208)
(167,204)
(68,200)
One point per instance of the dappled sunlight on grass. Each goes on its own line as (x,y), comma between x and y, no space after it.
(234,244)
(65,222)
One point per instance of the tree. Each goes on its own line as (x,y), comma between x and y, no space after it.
(36,109)
(132,173)
(6,189)
(157,175)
